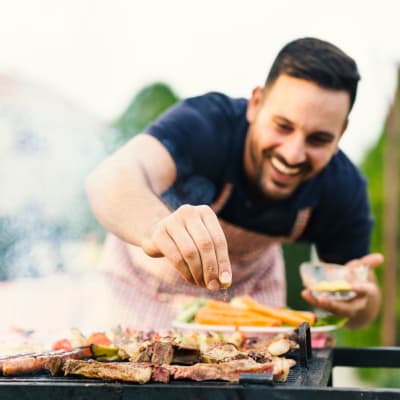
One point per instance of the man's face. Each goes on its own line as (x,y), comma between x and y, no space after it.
(295,127)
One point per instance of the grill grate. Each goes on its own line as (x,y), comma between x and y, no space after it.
(304,383)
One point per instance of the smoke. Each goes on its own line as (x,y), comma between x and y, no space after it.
(47,148)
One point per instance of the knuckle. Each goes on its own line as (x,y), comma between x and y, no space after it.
(220,241)
(210,269)
(205,245)
(176,259)
(186,210)
(190,253)
(204,208)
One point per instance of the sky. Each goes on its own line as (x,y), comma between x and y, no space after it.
(99,53)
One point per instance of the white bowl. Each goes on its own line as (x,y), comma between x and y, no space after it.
(332,280)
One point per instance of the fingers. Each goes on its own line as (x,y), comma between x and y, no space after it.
(192,239)
(367,288)
(372,260)
(347,308)
(165,245)
(220,269)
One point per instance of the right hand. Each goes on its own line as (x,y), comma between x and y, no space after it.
(192,239)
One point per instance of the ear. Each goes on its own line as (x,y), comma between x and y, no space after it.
(254,104)
(345,124)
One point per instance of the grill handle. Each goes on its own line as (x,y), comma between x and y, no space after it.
(304,339)
(258,379)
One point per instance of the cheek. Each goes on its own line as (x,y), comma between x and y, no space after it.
(319,158)
(265,138)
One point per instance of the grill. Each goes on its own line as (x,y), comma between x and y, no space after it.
(310,379)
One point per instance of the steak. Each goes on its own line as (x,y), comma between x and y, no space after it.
(121,371)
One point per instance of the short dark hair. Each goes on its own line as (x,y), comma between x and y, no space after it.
(317,61)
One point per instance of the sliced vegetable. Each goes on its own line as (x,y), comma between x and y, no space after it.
(308,316)
(331,320)
(232,316)
(62,344)
(98,338)
(105,353)
(190,309)
(285,315)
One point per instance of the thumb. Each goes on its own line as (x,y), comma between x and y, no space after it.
(372,260)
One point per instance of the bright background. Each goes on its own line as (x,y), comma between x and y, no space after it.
(99,53)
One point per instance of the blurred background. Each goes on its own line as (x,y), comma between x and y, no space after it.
(79,78)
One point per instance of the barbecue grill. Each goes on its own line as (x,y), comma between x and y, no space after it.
(310,379)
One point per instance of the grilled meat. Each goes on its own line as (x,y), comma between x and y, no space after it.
(230,371)
(29,364)
(220,353)
(121,371)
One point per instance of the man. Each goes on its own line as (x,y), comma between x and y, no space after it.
(202,199)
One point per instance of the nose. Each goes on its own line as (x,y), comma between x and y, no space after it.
(293,149)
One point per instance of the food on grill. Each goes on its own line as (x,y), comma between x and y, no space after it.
(144,372)
(231,370)
(31,363)
(139,357)
(220,353)
(121,371)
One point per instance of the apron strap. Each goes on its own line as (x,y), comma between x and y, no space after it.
(300,224)
(222,198)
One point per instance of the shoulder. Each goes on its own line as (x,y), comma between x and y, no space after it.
(212,110)
(342,182)
(217,103)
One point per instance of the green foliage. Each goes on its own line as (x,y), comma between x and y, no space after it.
(144,108)
(373,169)
(294,254)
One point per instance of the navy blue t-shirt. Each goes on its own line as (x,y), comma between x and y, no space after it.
(205,136)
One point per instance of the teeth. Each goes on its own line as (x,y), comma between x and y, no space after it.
(284,169)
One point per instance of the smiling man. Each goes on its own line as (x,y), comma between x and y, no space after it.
(203,198)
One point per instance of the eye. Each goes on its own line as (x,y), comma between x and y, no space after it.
(319,139)
(284,127)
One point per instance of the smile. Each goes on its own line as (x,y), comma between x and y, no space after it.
(284,169)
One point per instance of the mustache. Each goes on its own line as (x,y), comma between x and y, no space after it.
(269,153)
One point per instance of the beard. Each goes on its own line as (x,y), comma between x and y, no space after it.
(279,191)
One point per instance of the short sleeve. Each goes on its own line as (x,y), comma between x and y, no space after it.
(195,132)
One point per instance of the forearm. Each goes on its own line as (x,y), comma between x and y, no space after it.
(123,199)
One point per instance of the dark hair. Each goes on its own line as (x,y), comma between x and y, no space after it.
(317,61)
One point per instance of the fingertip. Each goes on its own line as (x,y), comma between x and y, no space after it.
(374,259)
(213,285)
(225,278)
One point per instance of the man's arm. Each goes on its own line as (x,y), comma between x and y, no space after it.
(124,193)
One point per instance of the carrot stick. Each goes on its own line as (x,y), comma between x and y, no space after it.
(238,321)
(284,315)
(308,316)
(222,305)
(237,314)
(234,317)
(227,312)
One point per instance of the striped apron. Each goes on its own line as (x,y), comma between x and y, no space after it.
(148,292)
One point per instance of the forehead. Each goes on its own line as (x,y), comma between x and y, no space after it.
(307,104)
